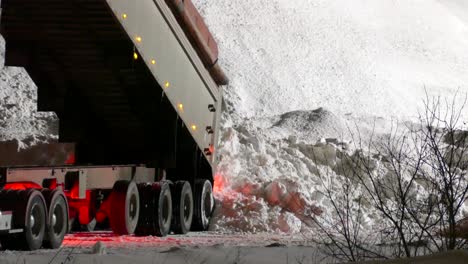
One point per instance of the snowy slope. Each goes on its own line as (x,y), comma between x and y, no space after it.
(306,70)
(360,56)
(457,7)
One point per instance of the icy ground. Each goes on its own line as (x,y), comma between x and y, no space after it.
(206,248)
(192,248)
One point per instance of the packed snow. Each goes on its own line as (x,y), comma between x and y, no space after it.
(304,75)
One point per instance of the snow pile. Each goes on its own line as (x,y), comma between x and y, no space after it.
(19,119)
(272,181)
(267,177)
(366,62)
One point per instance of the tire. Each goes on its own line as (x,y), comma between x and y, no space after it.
(182,205)
(31,215)
(163,209)
(57,223)
(125,207)
(146,220)
(203,206)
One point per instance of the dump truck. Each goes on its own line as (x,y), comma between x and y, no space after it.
(137,88)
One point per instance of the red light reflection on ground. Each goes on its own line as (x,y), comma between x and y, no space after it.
(88,239)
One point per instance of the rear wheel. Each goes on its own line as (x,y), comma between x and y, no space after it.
(182,207)
(125,207)
(156,209)
(146,220)
(57,224)
(163,216)
(203,206)
(30,214)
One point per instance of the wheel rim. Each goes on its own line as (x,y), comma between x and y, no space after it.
(133,207)
(36,220)
(187,208)
(165,210)
(58,219)
(207,205)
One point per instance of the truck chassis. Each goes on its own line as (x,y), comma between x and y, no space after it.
(42,204)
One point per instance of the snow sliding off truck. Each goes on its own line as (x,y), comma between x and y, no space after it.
(138,92)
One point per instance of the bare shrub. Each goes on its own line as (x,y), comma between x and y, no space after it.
(412,182)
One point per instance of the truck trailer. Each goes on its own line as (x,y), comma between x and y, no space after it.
(137,88)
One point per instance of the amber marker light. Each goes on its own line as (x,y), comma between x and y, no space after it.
(181,107)
(167,84)
(135,55)
(153,62)
(124,16)
(138,39)
(194,127)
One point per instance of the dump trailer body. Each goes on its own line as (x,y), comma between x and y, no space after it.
(137,89)
(199,35)
(119,74)
(177,68)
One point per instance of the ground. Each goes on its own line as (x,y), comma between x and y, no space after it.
(194,248)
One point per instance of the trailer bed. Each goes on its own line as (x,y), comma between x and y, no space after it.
(124,79)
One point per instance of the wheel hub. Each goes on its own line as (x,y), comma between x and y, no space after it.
(58,219)
(32,221)
(165,210)
(36,220)
(132,207)
(187,209)
(54,219)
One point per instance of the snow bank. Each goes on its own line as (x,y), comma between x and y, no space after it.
(19,119)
